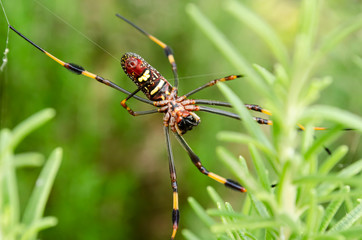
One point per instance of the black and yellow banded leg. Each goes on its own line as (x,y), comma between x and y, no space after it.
(252,107)
(80,70)
(175,206)
(257,108)
(212,83)
(168,51)
(129,110)
(269,122)
(139,113)
(262,110)
(263,121)
(259,120)
(123,102)
(265,111)
(301,127)
(196,161)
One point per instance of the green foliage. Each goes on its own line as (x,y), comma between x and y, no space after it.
(17,222)
(312,200)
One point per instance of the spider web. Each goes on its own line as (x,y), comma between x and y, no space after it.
(6,51)
(4,61)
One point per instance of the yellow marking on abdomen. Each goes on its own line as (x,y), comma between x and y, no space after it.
(158,87)
(145,76)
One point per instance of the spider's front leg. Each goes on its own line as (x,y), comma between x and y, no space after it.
(77,69)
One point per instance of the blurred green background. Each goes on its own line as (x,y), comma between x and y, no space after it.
(114,181)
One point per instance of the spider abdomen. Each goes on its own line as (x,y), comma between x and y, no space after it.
(151,82)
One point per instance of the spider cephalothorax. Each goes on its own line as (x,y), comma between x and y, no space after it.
(179,114)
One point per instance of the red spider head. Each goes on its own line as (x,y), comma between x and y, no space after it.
(133,65)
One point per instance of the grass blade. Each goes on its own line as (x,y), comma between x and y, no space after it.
(227,49)
(332,160)
(340,33)
(200,211)
(260,27)
(30,124)
(39,225)
(189,235)
(307,32)
(29,159)
(337,115)
(35,208)
(348,220)
(332,209)
(249,123)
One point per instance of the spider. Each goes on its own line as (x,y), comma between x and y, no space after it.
(179,110)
